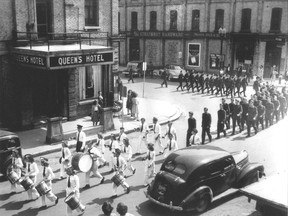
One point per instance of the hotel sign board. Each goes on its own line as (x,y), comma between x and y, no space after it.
(62,61)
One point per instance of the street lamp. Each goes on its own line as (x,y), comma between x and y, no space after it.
(222,33)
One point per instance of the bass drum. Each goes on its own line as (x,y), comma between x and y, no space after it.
(81,162)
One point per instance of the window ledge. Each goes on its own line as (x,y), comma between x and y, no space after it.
(87,101)
(87,28)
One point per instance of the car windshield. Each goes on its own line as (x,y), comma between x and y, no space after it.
(178,169)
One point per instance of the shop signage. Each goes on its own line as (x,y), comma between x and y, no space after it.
(74,60)
(173,34)
(29,59)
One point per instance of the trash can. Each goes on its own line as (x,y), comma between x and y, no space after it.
(54,130)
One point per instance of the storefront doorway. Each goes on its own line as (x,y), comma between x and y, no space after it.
(134,50)
(272,57)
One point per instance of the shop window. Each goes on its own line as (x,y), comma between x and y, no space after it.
(195,20)
(134,20)
(173,20)
(91,12)
(246,20)
(153,20)
(276,20)
(89,82)
(219,19)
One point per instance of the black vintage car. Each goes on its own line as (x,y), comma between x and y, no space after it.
(190,178)
(8,142)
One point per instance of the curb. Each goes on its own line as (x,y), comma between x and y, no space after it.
(90,139)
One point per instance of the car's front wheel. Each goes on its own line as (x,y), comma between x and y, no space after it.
(202,203)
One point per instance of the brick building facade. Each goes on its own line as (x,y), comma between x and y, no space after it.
(55,55)
(186,32)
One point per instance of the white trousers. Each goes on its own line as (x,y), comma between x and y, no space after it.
(140,143)
(95,171)
(149,172)
(50,195)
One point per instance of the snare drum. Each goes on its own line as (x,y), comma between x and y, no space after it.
(42,188)
(117,179)
(81,162)
(13,177)
(27,183)
(72,201)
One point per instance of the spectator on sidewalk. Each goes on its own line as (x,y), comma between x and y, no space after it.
(80,138)
(95,112)
(65,158)
(195,138)
(191,127)
(164,77)
(135,105)
(122,209)
(129,102)
(206,124)
(107,209)
(120,86)
(131,76)
(100,99)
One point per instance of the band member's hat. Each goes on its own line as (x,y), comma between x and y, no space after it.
(28,156)
(79,126)
(70,170)
(155,119)
(15,150)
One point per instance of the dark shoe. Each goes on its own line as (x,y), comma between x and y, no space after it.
(42,207)
(248,136)
(102,180)
(136,154)
(128,190)
(232,134)
(86,186)
(112,170)
(134,171)
(217,137)
(56,201)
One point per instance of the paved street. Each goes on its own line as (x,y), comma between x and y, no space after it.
(268,147)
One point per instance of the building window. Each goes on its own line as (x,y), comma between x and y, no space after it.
(276,20)
(134,20)
(246,20)
(173,20)
(219,19)
(89,82)
(195,20)
(91,13)
(153,20)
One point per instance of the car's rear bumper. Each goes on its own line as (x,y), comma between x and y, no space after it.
(176,208)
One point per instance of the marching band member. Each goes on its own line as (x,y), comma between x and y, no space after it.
(17,166)
(81,139)
(157,134)
(95,154)
(112,146)
(119,167)
(121,137)
(170,130)
(100,145)
(65,158)
(171,145)
(127,155)
(48,175)
(149,163)
(31,171)
(73,188)
(144,130)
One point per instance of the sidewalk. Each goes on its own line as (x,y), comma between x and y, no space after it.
(33,141)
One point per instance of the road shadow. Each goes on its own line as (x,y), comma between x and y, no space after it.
(8,195)
(32,211)
(15,205)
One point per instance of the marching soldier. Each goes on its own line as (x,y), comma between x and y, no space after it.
(191,127)
(227,110)
(180,80)
(206,124)
(269,106)
(186,79)
(283,104)
(244,84)
(251,118)
(261,114)
(245,106)
(236,116)
(276,103)
(48,176)
(65,158)
(221,122)
(238,86)
(149,164)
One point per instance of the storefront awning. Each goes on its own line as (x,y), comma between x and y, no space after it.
(62,56)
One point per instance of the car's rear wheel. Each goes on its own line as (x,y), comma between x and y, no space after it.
(202,203)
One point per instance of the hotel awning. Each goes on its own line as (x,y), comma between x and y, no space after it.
(62,56)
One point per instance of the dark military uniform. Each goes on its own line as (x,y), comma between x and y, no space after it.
(260,118)
(201,83)
(192,81)
(211,84)
(283,105)
(227,110)
(186,79)
(221,122)
(164,77)
(251,119)
(244,84)
(220,86)
(206,123)
(236,114)
(268,114)
(244,114)
(180,80)
(276,109)
(238,86)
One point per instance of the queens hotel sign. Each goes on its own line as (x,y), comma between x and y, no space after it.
(62,61)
